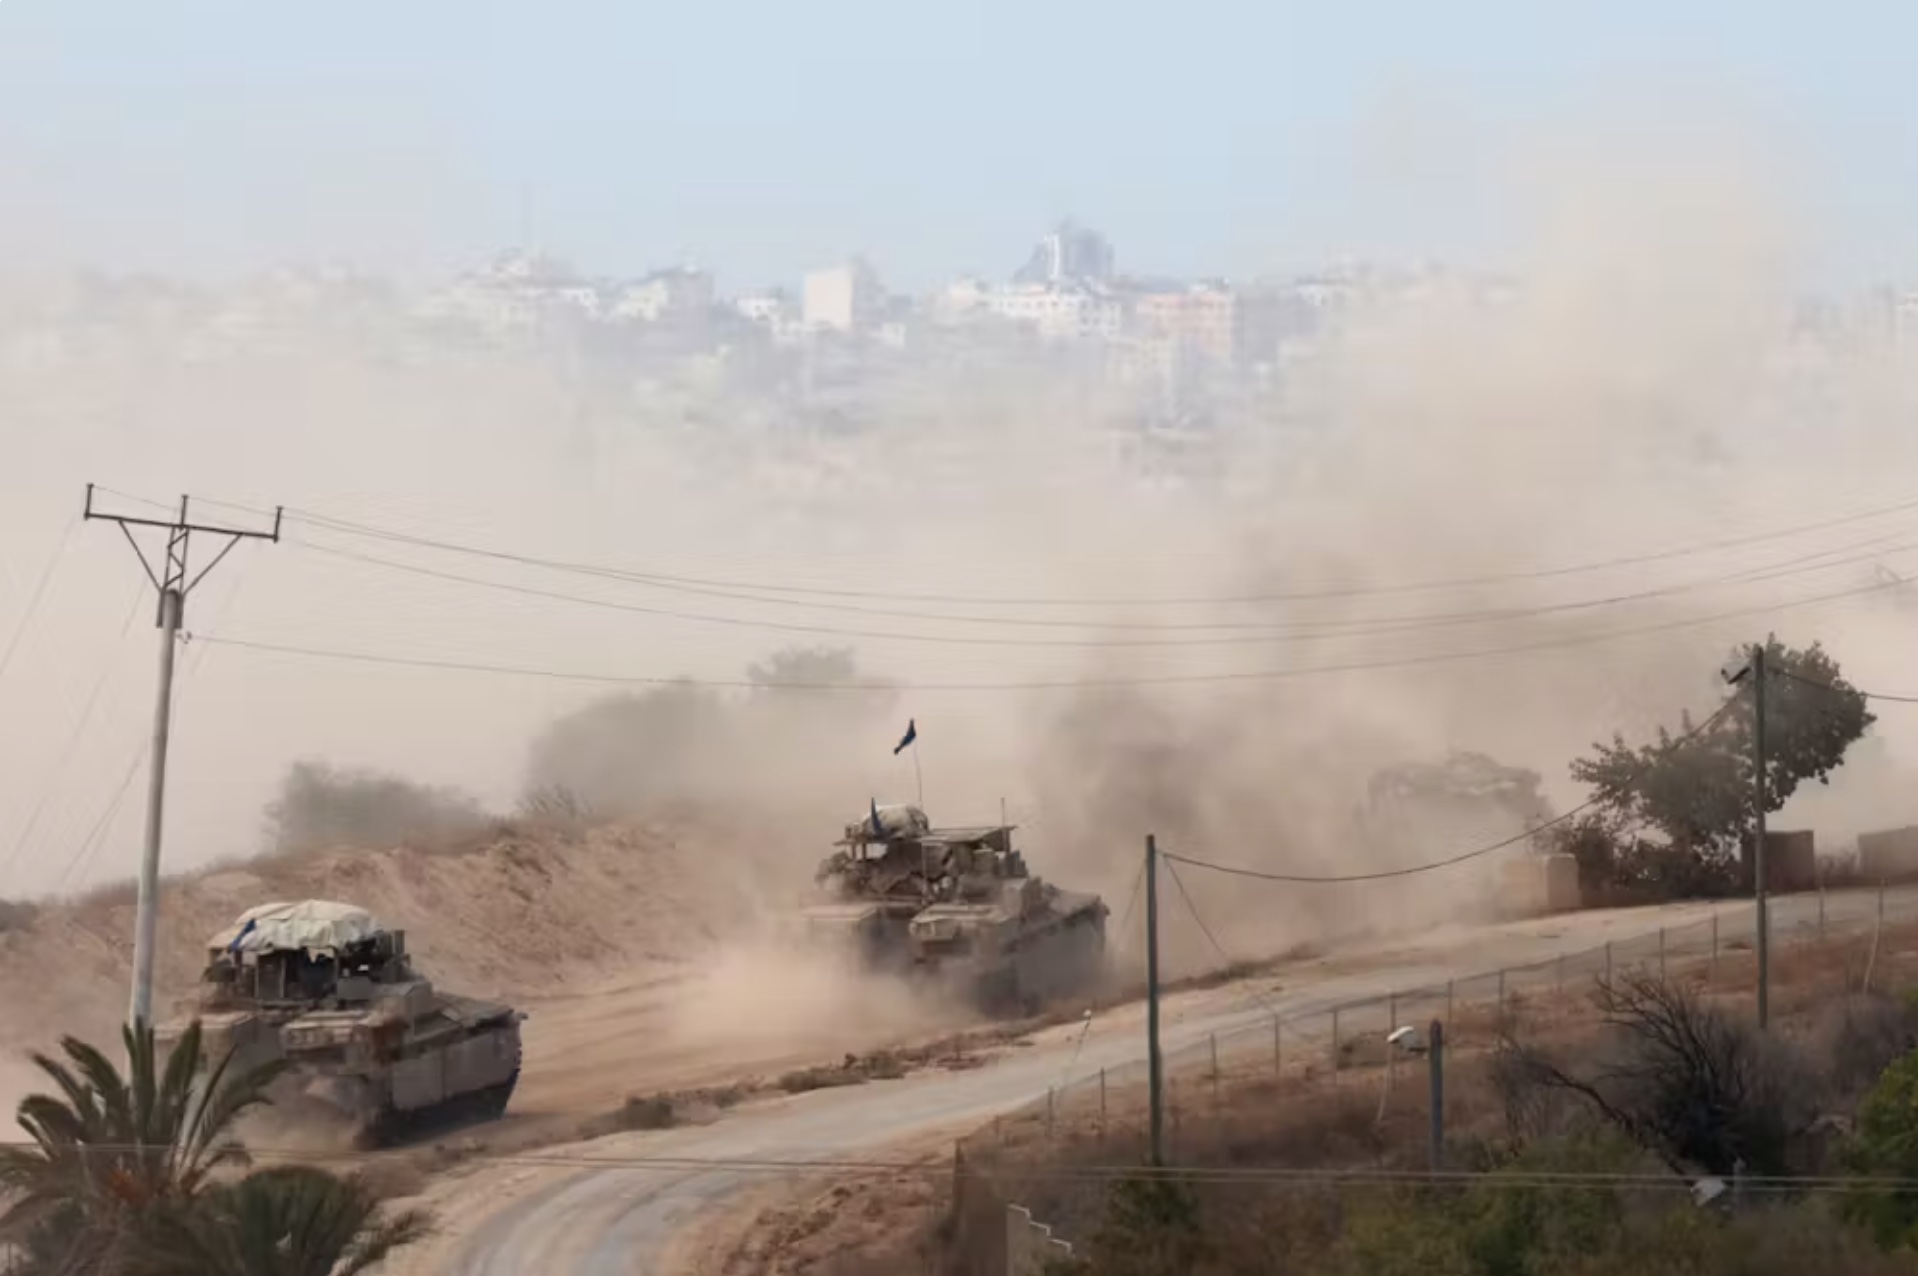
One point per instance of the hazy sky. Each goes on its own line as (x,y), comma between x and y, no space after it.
(1204,136)
(1663,176)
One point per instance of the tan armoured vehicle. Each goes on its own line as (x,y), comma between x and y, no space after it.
(370,1042)
(959,906)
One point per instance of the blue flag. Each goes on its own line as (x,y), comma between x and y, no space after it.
(248,929)
(876,830)
(912,733)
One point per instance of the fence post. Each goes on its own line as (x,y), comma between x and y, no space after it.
(1661,952)
(1821,904)
(1438,1095)
(1335,1044)
(1102,1105)
(1608,961)
(1500,1018)
(1561,972)
(1451,990)
(1391,1026)
(1877,929)
(1278,1048)
(1215,1070)
(1050,1092)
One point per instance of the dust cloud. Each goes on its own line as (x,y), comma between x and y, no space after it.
(1010,547)
(18,1079)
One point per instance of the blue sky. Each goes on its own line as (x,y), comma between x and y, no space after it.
(1206,136)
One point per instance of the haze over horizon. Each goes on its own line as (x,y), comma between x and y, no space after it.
(1635,397)
(1226,138)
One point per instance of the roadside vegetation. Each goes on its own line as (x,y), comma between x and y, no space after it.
(1655,1128)
(1673,818)
(138,1172)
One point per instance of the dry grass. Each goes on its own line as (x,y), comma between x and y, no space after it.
(1310,1116)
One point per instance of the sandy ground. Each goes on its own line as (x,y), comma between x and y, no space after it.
(658,1201)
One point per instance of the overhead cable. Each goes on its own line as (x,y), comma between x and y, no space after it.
(1173,679)
(352,527)
(1417,869)
(1269,634)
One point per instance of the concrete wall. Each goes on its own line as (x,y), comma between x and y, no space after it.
(1532,884)
(1791,861)
(1030,1244)
(1889,854)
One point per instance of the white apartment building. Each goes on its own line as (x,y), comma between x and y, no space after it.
(1059,313)
(845,298)
(678,293)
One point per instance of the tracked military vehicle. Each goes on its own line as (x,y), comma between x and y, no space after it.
(369,1042)
(956,906)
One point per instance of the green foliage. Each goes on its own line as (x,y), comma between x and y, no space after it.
(1884,1144)
(285,1221)
(1513,1221)
(1151,1225)
(1698,793)
(319,806)
(120,1178)
(110,1146)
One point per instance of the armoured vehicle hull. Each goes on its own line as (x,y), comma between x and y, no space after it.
(959,909)
(370,1044)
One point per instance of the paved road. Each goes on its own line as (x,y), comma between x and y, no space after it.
(573,1221)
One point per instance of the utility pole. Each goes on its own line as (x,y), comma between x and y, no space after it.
(173,584)
(1437,1047)
(1758,850)
(1155,1069)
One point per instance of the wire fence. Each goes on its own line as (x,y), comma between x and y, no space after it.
(1328,1043)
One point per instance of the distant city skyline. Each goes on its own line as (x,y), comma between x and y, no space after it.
(1220,138)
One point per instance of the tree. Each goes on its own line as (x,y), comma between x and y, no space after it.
(320,806)
(110,1147)
(285,1221)
(1682,1079)
(1696,788)
(1884,1144)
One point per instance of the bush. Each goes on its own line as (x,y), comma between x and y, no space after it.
(16,916)
(319,806)
(1683,1079)
(1885,1145)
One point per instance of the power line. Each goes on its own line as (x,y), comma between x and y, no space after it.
(1253,675)
(1835,689)
(72,740)
(1415,870)
(80,863)
(351,527)
(1269,634)
(39,592)
(1172,871)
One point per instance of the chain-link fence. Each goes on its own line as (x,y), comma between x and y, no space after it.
(1287,1043)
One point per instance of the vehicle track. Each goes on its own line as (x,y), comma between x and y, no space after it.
(574,1220)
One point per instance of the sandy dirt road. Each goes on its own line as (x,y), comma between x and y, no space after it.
(559,1213)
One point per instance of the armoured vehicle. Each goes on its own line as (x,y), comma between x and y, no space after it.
(370,1042)
(957,905)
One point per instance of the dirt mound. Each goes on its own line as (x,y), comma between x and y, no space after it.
(528,912)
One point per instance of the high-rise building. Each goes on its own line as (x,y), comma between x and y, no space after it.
(1070,254)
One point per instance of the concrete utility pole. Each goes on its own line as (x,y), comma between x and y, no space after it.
(1155,1066)
(1758,849)
(173,586)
